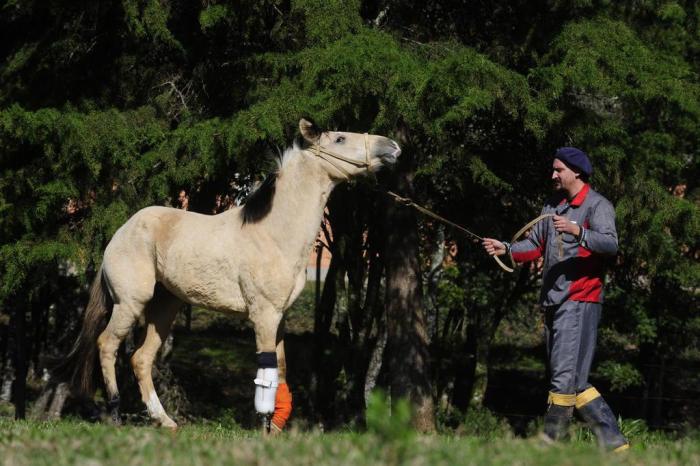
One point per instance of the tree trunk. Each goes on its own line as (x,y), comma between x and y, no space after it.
(7,381)
(465,364)
(19,385)
(652,405)
(8,371)
(471,375)
(437,257)
(317,285)
(409,356)
(322,384)
(59,399)
(375,364)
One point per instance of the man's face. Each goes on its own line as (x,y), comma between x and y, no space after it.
(563,177)
(183,199)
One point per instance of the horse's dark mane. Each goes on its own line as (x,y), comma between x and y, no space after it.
(300,142)
(259,203)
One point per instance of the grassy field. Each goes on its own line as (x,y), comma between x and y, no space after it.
(78,443)
(214,363)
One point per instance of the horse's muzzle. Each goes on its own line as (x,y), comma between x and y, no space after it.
(390,153)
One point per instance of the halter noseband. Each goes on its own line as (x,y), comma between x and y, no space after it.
(329,155)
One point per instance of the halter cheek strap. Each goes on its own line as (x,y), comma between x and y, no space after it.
(329,155)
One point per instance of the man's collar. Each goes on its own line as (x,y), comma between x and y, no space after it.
(580,196)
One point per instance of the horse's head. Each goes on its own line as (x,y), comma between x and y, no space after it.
(349,154)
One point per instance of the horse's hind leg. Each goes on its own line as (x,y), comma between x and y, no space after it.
(123,317)
(283,397)
(160,314)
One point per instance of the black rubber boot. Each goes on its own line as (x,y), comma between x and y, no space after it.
(601,420)
(556,422)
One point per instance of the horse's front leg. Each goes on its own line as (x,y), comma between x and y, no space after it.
(266,322)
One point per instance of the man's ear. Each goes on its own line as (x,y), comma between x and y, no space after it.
(310,132)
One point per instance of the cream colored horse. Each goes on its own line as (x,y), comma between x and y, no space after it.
(246,260)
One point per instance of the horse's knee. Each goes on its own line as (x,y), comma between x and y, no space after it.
(266,324)
(107,345)
(140,364)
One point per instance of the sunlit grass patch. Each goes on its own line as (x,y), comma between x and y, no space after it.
(69,442)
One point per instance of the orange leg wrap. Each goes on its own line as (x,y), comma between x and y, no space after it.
(283,406)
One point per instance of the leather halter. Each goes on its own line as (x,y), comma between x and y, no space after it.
(329,155)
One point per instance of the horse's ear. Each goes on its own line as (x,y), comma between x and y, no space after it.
(309,131)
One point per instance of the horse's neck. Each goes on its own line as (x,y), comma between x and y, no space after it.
(301,193)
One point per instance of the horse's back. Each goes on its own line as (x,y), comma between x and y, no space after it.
(146,228)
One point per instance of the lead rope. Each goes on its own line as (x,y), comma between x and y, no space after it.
(408,202)
(520,232)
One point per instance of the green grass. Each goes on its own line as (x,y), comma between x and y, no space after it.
(68,443)
(215,362)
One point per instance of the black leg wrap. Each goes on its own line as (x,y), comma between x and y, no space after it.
(267,360)
(113,408)
(556,421)
(602,421)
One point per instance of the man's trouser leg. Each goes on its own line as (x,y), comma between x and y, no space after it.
(571,330)
(570,336)
(563,341)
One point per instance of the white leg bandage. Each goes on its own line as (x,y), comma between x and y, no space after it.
(266,383)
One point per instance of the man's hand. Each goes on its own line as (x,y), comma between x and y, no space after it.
(494,247)
(562,225)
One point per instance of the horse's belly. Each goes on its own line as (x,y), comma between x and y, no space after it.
(205,285)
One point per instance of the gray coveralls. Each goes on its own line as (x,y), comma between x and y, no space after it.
(572,288)
(572,296)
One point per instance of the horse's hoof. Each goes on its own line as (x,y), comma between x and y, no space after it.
(265,424)
(91,412)
(170,425)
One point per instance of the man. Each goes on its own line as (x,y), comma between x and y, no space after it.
(574,244)
(184,200)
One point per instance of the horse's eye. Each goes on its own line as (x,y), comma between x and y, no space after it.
(340,139)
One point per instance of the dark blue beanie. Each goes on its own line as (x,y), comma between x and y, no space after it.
(575,158)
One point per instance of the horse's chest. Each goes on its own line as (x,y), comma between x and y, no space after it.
(271,285)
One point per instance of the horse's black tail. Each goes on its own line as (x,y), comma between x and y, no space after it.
(78,367)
